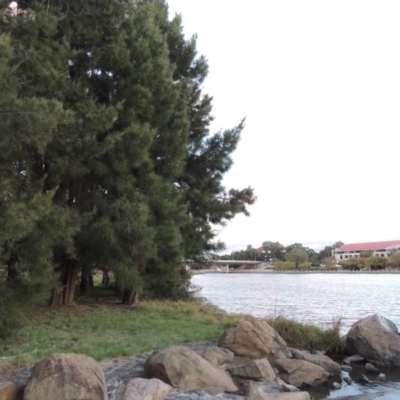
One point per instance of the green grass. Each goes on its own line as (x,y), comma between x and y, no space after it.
(309,337)
(111,330)
(106,329)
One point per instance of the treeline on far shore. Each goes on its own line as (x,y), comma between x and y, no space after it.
(298,257)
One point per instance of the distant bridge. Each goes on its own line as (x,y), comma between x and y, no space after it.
(227,263)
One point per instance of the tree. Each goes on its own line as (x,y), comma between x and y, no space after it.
(366,253)
(31,225)
(279,264)
(376,262)
(135,168)
(297,255)
(329,262)
(274,250)
(327,250)
(208,156)
(250,254)
(394,259)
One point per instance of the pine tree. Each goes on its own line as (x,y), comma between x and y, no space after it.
(30,224)
(134,169)
(208,156)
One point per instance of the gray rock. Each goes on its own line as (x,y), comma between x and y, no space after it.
(348,380)
(216,355)
(143,389)
(323,361)
(254,369)
(364,379)
(356,358)
(381,377)
(66,376)
(286,387)
(370,368)
(256,393)
(298,372)
(181,367)
(254,339)
(375,338)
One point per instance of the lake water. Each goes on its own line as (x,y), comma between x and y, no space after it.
(317,299)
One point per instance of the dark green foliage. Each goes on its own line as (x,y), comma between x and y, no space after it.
(31,225)
(107,161)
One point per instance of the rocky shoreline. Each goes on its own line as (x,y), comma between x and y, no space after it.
(250,361)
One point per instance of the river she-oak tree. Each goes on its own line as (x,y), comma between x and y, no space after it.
(107,161)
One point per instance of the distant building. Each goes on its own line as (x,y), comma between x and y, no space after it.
(379,249)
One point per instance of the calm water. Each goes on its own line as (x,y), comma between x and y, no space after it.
(310,298)
(313,298)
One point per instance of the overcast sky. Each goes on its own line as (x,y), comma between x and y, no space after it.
(319,85)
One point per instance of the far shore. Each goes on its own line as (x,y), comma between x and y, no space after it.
(263,271)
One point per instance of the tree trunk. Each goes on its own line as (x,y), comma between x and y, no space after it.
(130,297)
(12,274)
(84,285)
(106,277)
(69,274)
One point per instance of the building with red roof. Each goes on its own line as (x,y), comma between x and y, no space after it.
(379,249)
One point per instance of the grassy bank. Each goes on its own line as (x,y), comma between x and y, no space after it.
(309,337)
(111,330)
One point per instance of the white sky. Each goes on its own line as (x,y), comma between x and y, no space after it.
(319,84)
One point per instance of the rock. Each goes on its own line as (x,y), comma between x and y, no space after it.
(256,393)
(253,339)
(216,355)
(347,368)
(8,391)
(370,368)
(336,385)
(317,352)
(65,377)
(297,372)
(375,338)
(258,370)
(319,359)
(356,358)
(181,367)
(364,379)
(143,389)
(381,377)
(348,380)
(286,387)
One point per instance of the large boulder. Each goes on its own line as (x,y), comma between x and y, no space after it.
(323,361)
(253,339)
(143,389)
(8,391)
(66,377)
(297,372)
(258,370)
(256,393)
(216,355)
(183,368)
(375,338)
